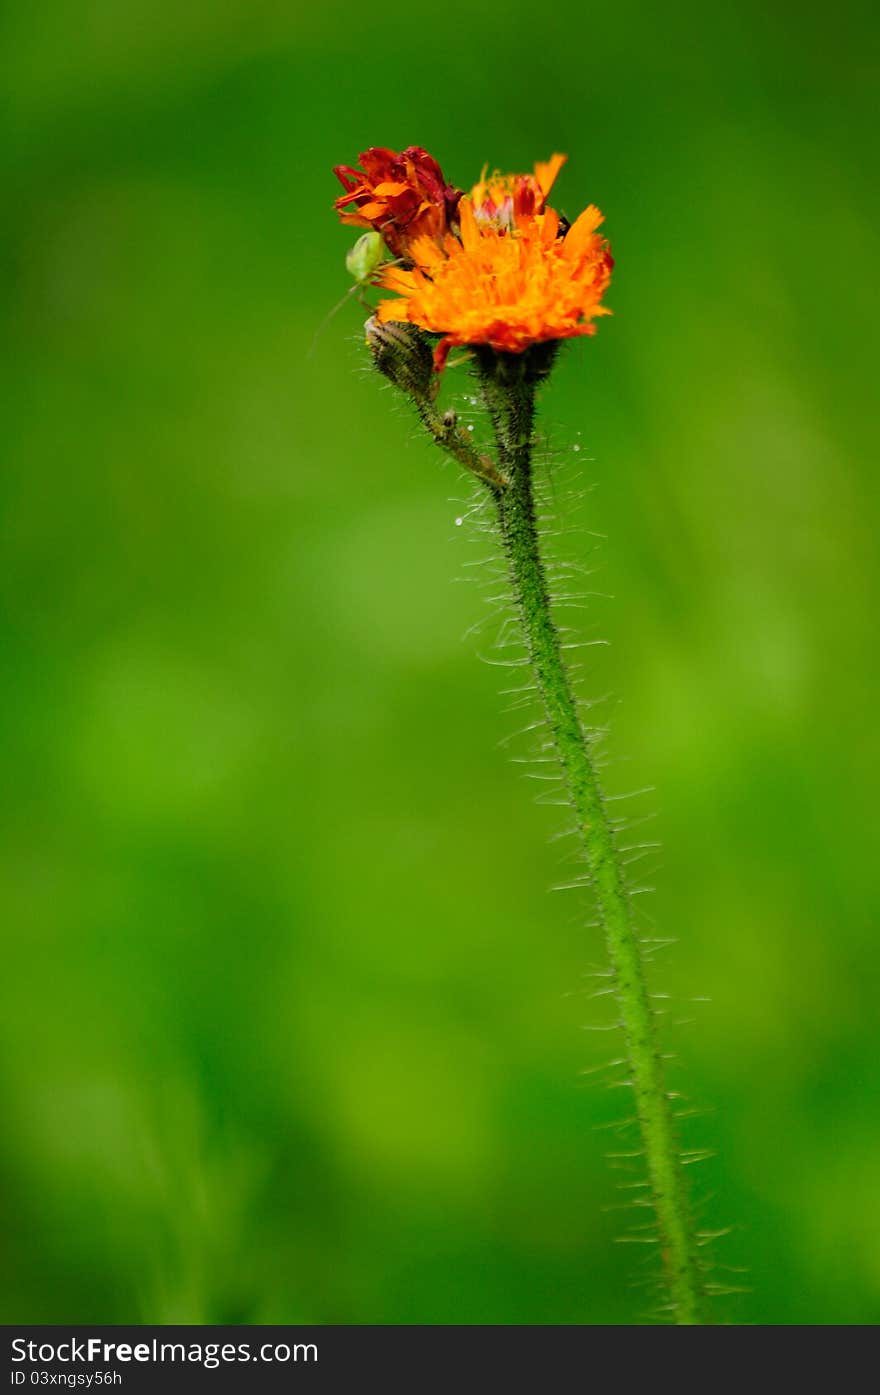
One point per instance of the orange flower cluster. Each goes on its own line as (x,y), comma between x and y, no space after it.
(500,268)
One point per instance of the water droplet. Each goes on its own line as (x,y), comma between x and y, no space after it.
(459,522)
(575,446)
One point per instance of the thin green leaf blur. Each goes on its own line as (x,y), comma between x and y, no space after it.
(290,1025)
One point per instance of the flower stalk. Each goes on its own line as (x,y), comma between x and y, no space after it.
(509,389)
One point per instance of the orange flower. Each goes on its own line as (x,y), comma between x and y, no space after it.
(403,196)
(514,278)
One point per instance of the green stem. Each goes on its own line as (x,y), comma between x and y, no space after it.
(449,436)
(510,401)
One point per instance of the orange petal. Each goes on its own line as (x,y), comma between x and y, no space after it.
(392,310)
(354,220)
(579,235)
(425,252)
(547,170)
(549,226)
(404,286)
(470,233)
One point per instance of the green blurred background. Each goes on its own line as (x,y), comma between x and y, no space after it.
(291,1027)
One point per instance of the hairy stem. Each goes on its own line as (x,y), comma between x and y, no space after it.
(448,435)
(510,401)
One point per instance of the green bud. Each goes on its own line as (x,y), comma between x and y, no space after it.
(403,354)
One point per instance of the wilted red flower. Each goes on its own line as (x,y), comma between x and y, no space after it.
(403,196)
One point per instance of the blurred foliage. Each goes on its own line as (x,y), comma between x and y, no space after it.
(289,1023)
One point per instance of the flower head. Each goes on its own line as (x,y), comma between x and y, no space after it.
(403,196)
(513,277)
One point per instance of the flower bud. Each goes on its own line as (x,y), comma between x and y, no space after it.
(403,354)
